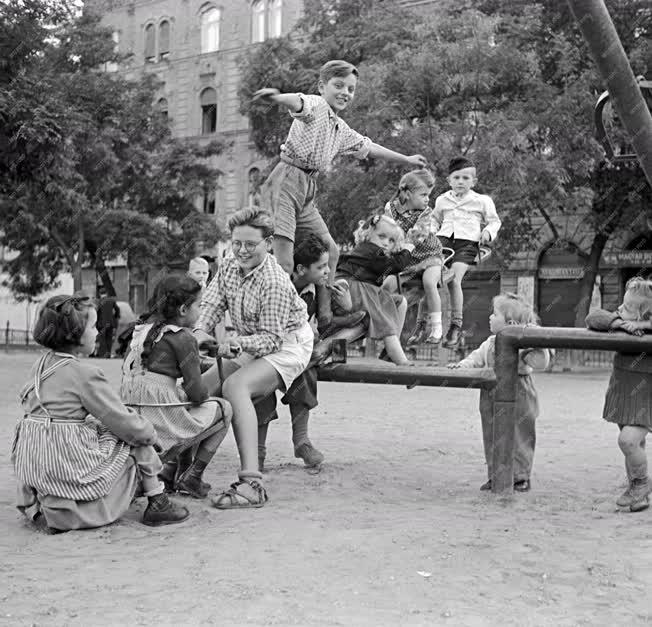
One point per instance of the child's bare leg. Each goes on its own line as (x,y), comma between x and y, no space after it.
(456,292)
(402,312)
(632,443)
(395,350)
(431,278)
(284,252)
(255,379)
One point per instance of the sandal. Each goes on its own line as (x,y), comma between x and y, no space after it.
(234,499)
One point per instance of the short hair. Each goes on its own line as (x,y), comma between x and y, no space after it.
(309,250)
(337,68)
(198,261)
(62,321)
(514,309)
(254,217)
(640,290)
(413,180)
(366,228)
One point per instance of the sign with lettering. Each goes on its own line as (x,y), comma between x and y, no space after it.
(561,272)
(629,258)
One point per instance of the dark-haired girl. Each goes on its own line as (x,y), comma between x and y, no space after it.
(79,454)
(162,351)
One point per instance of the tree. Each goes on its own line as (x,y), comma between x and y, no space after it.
(88,168)
(509,83)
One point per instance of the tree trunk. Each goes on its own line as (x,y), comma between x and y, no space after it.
(103,271)
(588,280)
(77,270)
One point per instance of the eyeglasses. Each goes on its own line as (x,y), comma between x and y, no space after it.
(248,246)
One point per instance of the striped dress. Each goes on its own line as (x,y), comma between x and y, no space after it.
(71,448)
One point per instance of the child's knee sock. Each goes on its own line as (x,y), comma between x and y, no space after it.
(184,460)
(434,318)
(262,439)
(300,416)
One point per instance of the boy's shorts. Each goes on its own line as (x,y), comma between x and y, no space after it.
(303,390)
(289,194)
(466,250)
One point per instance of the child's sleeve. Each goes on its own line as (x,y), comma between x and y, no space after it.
(308,112)
(428,222)
(491,218)
(213,303)
(352,143)
(478,357)
(102,402)
(537,358)
(272,322)
(187,354)
(600,319)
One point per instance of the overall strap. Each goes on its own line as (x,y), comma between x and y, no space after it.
(43,373)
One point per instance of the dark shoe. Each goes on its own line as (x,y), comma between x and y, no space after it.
(346,321)
(486,486)
(453,336)
(522,486)
(384,356)
(162,511)
(194,486)
(320,352)
(417,336)
(639,490)
(309,454)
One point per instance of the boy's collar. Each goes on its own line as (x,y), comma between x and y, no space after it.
(468,194)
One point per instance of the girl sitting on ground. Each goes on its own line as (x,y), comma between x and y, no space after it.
(628,402)
(510,309)
(79,454)
(409,208)
(162,351)
(273,344)
(379,251)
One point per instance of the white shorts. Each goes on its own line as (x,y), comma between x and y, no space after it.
(293,356)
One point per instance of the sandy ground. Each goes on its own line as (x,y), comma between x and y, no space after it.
(393,531)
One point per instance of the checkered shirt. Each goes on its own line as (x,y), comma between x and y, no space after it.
(263,305)
(318,135)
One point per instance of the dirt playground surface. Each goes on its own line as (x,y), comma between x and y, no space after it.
(393,531)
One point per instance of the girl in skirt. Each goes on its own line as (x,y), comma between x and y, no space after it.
(511,309)
(377,254)
(79,454)
(628,402)
(409,208)
(161,352)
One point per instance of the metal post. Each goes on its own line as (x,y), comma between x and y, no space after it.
(505,416)
(608,53)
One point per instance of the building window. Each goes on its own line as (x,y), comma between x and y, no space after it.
(164,39)
(258,21)
(208,101)
(162,109)
(210,30)
(275,13)
(150,44)
(112,66)
(211,195)
(253,187)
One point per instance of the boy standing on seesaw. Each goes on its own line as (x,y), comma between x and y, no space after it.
(316,137)
(466,220)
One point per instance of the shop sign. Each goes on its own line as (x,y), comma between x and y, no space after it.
(630,258)
(561,272)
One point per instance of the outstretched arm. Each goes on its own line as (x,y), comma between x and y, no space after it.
(380,152)
(272,95)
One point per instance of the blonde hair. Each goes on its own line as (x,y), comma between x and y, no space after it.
(514,309)
(412,181)
(640,291)
(368,226)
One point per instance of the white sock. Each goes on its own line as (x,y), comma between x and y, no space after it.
(435,318)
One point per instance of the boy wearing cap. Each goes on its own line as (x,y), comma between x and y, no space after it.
(466,219)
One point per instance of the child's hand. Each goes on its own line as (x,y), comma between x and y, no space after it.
(454,366)
(418,161)
(485,238)
(267,94)
(633,327)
